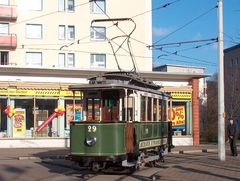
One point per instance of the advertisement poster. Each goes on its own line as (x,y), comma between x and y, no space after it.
(70,113)
(178,117)
(19,123)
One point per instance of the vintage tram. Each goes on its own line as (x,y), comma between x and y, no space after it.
(124,122)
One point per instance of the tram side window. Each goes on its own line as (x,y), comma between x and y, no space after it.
(164,110)
(149,109)
(154,109)
(143,108)
(93,109)
(160,109)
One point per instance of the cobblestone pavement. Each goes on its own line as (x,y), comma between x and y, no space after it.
(200,166)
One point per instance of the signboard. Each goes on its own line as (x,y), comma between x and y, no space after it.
(19,123)
(70,113)
(38,92)
(181,95)
(178,116)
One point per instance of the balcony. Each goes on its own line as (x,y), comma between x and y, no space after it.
(8,42)
(8,13)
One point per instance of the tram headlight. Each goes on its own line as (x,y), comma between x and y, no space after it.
(90,141)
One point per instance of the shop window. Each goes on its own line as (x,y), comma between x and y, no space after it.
(74,112)
(26,105)
(143,108)
(3,118)
(179,120)
(44,108)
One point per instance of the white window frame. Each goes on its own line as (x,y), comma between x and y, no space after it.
(33,5)
(61,36)
(72,64)
(4,2)
(31,34)
(32,63)
(94,63)
(4,28)
(95,30)
(73,7)
(60,63)
(95,9)
(61,5)
(71,37)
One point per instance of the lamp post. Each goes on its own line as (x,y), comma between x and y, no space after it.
(221,111)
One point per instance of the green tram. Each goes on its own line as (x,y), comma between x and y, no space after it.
(124,122)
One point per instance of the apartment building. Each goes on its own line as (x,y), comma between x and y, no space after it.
(59,33)
(232,80)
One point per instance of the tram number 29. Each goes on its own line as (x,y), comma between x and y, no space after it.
(92,129)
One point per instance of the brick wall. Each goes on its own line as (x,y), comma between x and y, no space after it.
(195,112)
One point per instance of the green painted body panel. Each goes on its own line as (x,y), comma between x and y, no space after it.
(110,139)
(151,131)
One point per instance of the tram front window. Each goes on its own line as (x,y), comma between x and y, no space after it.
(110,105)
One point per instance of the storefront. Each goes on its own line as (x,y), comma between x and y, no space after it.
(23,110)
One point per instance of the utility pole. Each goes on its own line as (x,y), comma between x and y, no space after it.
(221,110)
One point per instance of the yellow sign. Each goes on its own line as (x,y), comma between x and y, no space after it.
(38,92)
(19,123)
(178,115)
(149,143)
(181,95)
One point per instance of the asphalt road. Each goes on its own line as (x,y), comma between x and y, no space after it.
(178,167)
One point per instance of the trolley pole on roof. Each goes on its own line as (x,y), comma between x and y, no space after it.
(221,110)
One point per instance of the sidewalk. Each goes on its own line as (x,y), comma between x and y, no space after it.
(59,153)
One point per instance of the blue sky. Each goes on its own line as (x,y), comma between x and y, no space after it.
(167,20)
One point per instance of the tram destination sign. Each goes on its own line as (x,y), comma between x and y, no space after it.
(149,143)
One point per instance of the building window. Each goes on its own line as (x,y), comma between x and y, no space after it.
(34,58)
(98,6)
(98,61)
(61,60)
(34,31)
(4,58)
(71,5)
(4,2)
(61,5)
(98,33)
(71,32)
(4,28)
(61,32)
(70,60)
(35,5)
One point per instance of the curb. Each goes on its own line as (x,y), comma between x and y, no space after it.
(194,151)
(41,158)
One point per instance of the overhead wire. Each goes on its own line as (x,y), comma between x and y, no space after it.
(186,24)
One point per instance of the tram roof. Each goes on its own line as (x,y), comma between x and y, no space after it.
(94,87)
